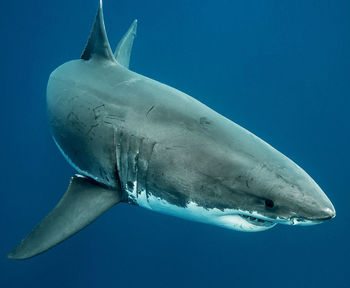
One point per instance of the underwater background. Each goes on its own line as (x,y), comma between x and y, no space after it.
(279,68)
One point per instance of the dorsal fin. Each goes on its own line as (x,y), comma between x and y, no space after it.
(123,51)
(98,45)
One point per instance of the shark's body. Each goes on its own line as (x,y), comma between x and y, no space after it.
(136,140)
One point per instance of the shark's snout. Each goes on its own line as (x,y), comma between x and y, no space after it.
(327,212)
(331,213)
(324,207)
(317,209)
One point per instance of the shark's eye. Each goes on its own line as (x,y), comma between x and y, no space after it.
(269,203)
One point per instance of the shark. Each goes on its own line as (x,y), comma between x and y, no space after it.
(135,140)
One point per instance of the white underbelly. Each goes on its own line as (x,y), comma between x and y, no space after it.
(228,218)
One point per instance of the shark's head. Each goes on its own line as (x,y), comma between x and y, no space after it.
(283,194)
(259,187)
(228,177)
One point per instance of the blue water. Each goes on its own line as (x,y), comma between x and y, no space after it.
(278,68)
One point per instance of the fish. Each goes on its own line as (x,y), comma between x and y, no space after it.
(135,140)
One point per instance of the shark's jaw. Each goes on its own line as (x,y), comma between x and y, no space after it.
(243,222)
(260,220)
(253,222)
(227,218)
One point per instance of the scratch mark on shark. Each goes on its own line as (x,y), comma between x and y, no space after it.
(92,127)
(96,111)
(149,110)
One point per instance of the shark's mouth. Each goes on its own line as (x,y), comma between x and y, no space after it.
(269,223)
(245,222)
(257,221)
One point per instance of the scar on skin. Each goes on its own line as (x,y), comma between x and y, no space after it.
(92,127)
(149,110)
(204,121)
(95,110)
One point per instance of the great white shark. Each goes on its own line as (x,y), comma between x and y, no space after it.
(133,139)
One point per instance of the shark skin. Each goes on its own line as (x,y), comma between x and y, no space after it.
(133,139)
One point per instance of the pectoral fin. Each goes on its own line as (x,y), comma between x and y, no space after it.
(82,203)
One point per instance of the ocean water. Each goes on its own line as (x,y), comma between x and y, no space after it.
(278,68)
